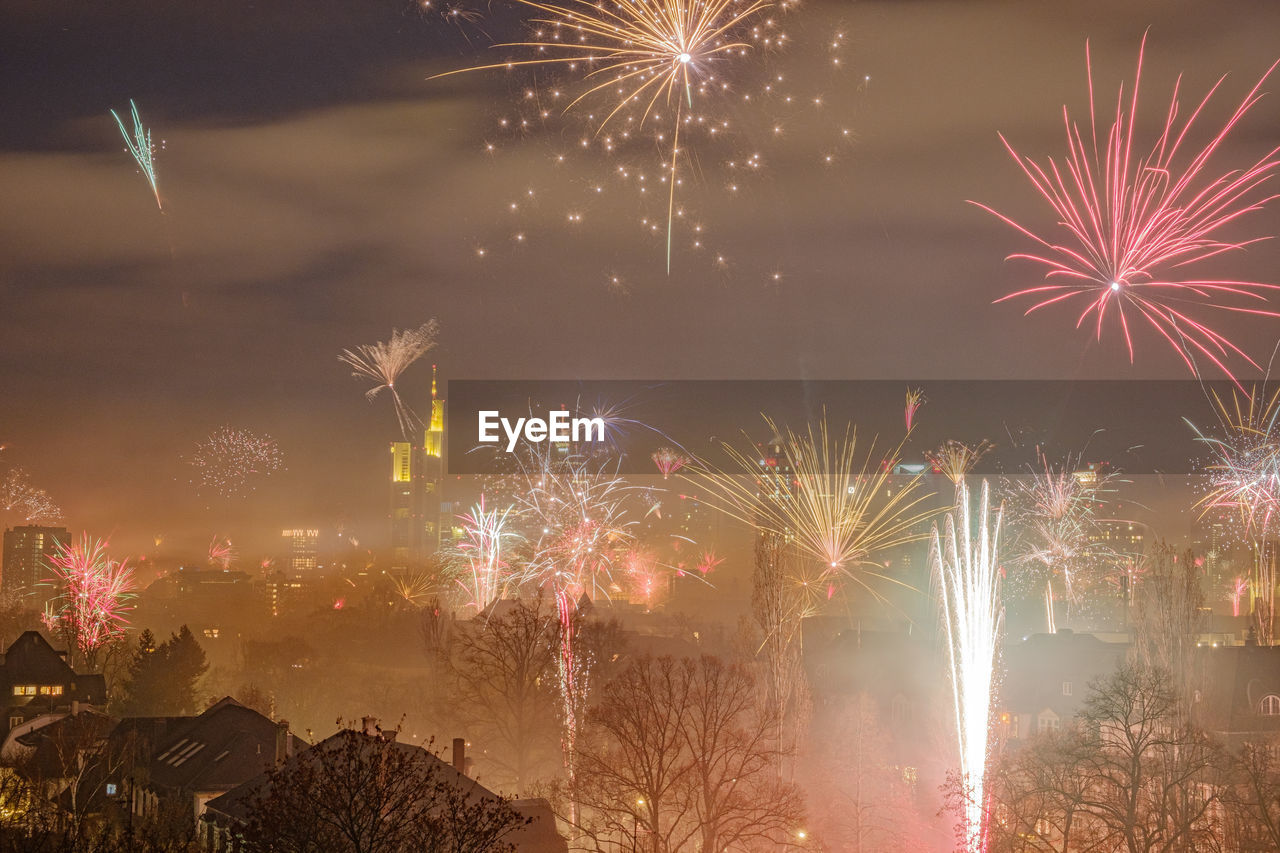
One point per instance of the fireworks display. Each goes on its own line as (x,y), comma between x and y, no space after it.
(220,554)
(966,565)
(94,595)
(141,147)
(485,575)
(231,462)
(668,460)
(1137,215)
(915,399)
(1058,543)
(26,502)
(1244,481)
(955,459)
(383,362)
(841,508)
(642,54)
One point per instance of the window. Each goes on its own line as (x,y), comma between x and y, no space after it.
(1269,706)
(1047,722)
(50,689)
(111,789)
(24,690)
(1066,688)
(14,722)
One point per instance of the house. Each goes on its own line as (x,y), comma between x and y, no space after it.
(226,813)
(1047,678)
(1236,693)
(37,682)
(183,762)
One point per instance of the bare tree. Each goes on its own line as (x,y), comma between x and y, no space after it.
(504,670)
(680,755)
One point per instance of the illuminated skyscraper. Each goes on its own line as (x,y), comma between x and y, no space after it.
(304,548)
(27,550)
(418,511)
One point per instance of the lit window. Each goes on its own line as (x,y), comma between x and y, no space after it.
(57,690)
(1269,706)
(24,690)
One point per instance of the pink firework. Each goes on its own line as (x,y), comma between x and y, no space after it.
(1135,221)
(220,553)
(1237,592)
(94,594)
(707,562)
(669,460)
(915,399)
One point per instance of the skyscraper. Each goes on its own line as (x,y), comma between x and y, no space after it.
(27,550)
(418,511)
(304,548)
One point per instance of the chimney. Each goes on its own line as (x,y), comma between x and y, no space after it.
(460,755)
(75,707)
(370,725)
(282,742)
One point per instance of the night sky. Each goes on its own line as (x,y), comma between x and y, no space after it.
(319,190)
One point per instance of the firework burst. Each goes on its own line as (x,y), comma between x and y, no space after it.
(1059,545)
(668,460)
(966,565)
(650,60)
(231,461)
(383,362)
(141,147)
(956,459)
(485,574)
(1136,216)
(1244,479)
(579,531)
(915,399)
(840,508)
(94,595)
(25,501)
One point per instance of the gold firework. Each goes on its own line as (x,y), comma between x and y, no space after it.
(839,507)
(637,53)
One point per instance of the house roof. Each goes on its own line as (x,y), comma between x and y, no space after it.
(1038,668)
(31,659)
(216,750)
(1230,684)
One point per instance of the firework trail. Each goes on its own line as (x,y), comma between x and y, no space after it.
(231,461)
(1239,587)
(1244,479)
(94,595)
(140,146)
(956,459)
(668,460)
(967,568)
(635,54)
(383,363)
(915,399)
(707,562)
(839,508)
(1136,221)
(414,588)
(485,575)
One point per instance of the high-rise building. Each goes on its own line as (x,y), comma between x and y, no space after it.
(418,511)
(25,571)
(304,548)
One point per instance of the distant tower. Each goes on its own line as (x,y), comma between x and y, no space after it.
(418,511)
(304,548)
(27,550)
